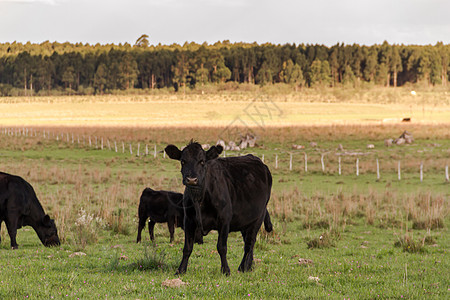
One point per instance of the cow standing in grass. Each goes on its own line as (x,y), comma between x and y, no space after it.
(19,207)
(160,207)
(223,194)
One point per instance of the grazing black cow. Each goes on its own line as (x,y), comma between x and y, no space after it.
(223,194)
(160,207)
(19,207)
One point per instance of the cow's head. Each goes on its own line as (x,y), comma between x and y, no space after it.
(193,162)
(47,232)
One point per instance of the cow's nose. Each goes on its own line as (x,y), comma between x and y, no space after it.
(191,181)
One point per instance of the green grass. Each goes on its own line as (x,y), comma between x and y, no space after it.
(370,224)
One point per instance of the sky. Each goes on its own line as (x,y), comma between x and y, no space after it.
(328,22)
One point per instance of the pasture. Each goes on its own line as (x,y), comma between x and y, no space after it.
(357,236)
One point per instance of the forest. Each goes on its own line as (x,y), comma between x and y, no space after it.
(82,69)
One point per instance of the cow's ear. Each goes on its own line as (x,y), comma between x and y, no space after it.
(46,220)
(173,152)
(214,152)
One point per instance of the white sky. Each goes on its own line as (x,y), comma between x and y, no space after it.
(326,22)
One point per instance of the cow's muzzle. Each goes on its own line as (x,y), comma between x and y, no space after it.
(52,241)
(191,181)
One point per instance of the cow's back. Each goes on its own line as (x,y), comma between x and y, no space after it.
(248,182)
(154,204)
(16,193)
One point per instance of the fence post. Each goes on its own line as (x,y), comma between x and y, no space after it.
(139,146)
(399,171)
(146,150)
(378,170)
(290,162)
(109,145)
(131,150)
(115,146)
(72,138)
(262,158)
(96,146)
(123,147)
(357,167)
(339,160)
(306,162)
(323,164)
(421,171)
(446,173)
(276,161)
(154,152)
(164,154)
(102,144)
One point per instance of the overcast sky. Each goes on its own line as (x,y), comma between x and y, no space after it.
(326,22)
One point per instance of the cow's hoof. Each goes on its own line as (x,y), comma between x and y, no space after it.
(226,271)
(180,272)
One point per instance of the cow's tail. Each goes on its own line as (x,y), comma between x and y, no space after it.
(267,223)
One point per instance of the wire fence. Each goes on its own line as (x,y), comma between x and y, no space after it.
(285,160)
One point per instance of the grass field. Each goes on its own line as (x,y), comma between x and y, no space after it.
(385,238)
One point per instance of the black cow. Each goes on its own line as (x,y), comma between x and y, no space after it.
(19,207)
(160,207)
(223,194)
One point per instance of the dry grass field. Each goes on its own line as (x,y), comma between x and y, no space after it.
(254,110)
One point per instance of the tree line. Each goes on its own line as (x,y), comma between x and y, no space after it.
(42,69)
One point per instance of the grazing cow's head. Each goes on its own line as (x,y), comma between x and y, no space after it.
(47,232)
(193,162)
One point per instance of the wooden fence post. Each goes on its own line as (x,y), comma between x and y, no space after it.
(399,171)
(339,160)
(290,162)
(131,150)
(154,152)
(446,174)
(139,146)
(262,158)
(357,167)
(306,162)
(276,161)
(378,170)
(322,162)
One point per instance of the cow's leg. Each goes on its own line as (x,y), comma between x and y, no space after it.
(140,227)
(189,234)
(11,225)
(151,227)
(222,248)
(249,236)
(171,225)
